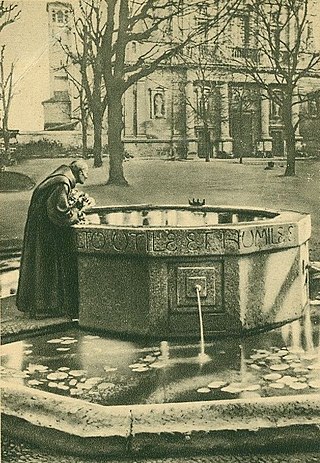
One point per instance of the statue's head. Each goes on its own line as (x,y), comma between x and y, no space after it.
(80,170)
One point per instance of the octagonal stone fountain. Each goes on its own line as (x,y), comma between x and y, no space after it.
(140,268)
(155,271)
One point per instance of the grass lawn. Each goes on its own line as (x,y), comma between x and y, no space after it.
(165,182)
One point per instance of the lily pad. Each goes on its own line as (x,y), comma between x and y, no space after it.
(287,380)
(69,341)
(315,383)
(54,341)
(63,387)
(272,376)
(85,385)
(77,373)
(255,367)
(298,385)
(281,353)
(290,357)
(73,382)
(57,376)
(63,349)
(277,385)
(300,370)
(279,366)
(34,382)
(216,384)
(63,369)
(28,352)
(232,390)
(32,368)
(52,384)
(203,390)
(253,387)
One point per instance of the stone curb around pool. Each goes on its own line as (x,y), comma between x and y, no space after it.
(160,429)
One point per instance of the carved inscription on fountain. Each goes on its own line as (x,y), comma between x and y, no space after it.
(239,240)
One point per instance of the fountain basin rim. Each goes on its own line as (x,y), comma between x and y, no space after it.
(286,229)
(270,214)
(67,414)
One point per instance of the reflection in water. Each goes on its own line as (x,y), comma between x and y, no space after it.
(308,331)
(108,371)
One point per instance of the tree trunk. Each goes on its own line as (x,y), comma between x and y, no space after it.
(289,133)
(207,142)
(97,141)
(84,128)
(84,141)
(116,148)
(6,140)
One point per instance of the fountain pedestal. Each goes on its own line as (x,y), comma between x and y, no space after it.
(139,268)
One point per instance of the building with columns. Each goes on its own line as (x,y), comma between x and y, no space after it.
(202,106)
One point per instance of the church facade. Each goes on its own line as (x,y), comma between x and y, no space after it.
(205,108)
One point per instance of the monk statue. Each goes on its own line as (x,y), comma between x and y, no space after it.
(48,281)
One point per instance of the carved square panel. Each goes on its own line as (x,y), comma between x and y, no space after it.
(209,279)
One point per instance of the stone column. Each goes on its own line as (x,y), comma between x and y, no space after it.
(225,143)
(266,139)
(142,108)
(190,117)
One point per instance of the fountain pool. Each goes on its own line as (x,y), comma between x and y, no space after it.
(82,393)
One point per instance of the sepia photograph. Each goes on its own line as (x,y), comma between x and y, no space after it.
(160,231)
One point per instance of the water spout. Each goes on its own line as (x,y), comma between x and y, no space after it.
(203,357)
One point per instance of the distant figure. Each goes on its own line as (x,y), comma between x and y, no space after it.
(48,282)
(269,166)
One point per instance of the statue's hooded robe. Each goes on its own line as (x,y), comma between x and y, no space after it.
(48,282)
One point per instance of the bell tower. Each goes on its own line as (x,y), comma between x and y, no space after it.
(57,109)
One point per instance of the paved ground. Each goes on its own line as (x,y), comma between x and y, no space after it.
(17,452)
(220,182)
(15,324)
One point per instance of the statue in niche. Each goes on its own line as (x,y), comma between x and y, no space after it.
(158,104)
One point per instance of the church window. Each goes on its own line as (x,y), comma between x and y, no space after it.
(59,16)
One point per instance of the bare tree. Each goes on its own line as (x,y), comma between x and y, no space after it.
(162,29)
(283,36)
(6,95)
(82,112)
(8,14)
(85,58)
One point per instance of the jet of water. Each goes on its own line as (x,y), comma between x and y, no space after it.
(203,357)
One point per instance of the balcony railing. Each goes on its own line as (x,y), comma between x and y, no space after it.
(246,53)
